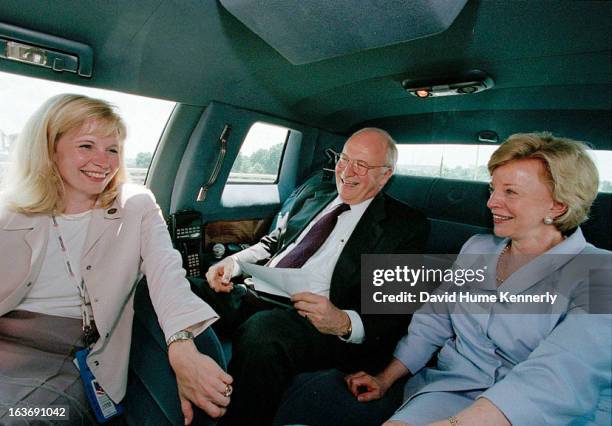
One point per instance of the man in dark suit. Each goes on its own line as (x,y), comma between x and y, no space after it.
(326,233)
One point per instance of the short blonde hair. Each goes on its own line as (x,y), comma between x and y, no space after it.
(572,176)
(32,183)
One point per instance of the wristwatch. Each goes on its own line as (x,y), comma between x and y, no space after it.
(349,331)
(179,335)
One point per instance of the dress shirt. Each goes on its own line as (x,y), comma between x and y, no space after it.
(322,263)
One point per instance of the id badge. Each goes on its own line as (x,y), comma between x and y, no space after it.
(103,407)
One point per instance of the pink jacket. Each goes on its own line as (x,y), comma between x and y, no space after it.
(124,242)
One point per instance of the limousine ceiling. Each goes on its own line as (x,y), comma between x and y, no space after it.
(541,56)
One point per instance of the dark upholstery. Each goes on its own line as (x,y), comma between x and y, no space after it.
(320,179)
(152,394)
(598,229)
(457,210)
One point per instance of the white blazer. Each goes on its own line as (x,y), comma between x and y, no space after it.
(123,242)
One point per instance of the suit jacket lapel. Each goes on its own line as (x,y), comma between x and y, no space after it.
(363,240)
(368,230)
(37,236)
(101,220)
(545,264)
(37,239)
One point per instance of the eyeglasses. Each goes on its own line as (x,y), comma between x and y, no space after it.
(361,168)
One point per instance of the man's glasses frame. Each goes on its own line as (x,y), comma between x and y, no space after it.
(361,168)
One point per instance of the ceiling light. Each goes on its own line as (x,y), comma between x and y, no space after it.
(45,50)
(34,55)
(473,81)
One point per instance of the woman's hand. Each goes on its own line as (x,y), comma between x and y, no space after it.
(366,387)
(200,380)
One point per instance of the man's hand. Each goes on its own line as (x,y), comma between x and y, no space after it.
(366,387)
(321,313)
(219,276)
(200,380)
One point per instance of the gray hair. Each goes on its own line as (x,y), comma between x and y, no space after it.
(391,144)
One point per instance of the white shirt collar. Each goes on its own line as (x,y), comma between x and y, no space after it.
(355,208)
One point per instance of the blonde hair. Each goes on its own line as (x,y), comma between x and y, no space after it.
(32,183)
(572,176)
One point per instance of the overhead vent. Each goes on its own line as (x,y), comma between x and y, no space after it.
(306,31)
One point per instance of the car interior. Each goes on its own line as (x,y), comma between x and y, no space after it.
(464,72)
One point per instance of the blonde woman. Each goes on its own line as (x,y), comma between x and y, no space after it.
(75,239)
(497,365)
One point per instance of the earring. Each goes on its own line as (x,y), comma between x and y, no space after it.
(548,220)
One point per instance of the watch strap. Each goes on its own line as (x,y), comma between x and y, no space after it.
(180,335)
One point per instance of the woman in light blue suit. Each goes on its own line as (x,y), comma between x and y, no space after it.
(517,363)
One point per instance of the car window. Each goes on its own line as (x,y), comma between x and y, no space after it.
(145,118)
(469,162)
(260,155)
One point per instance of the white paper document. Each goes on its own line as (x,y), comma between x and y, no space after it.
(278,281)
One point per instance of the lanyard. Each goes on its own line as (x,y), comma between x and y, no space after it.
(89,327)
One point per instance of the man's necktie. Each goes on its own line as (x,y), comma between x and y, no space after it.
(314,239)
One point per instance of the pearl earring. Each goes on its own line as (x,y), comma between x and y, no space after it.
(548,220)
